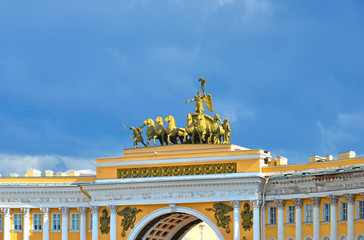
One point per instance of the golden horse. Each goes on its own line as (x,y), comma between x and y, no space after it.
(151,131)
(217,131)
(203,130)
(160,132)
(190,130)
(173,132)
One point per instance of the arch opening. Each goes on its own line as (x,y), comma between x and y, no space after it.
(165,224)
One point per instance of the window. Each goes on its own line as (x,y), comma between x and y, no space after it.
(343,238)
(360,237)
(272,215)
(326,237)
(290,214)
(308,213)
(360,209)
(17,221)
(75,221)
(326,212)
(37,221)
(56,221)
(1,222)
(343,211)
(308,238)
(90,221)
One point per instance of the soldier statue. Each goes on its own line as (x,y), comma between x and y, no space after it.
(137,136)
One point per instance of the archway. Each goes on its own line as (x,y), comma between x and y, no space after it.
(170,223)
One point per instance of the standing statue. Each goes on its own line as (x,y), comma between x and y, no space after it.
(104,222)
(137,136)
(199,102)
(203,84)
(226,127)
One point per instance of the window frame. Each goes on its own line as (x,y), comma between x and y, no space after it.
(310,211)
(73,220)
(53,221)
(343,211)
(360,209)
(326,212)
(291,214)
(272,217)
(34,220)
(1,222)
(16,221)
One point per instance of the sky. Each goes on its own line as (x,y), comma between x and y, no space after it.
(288,74)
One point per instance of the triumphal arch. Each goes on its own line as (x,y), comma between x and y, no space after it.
(177,177)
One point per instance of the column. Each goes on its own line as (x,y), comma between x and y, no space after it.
(351,200)
(263,220)
(26,225)
(64,211)
(83,211)
(298,203)
(256,219)
(113,210)
(95,222)
(7,224)
(45,226)
(280,204)
(236,205)
(333,217)
(316,218)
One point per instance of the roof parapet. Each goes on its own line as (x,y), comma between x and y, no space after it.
(348,154)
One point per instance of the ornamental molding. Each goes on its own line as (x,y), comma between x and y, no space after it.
(327,183)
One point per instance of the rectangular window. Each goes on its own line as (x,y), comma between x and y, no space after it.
(17,217)
(308,213)
(90,221)
(1,222)
(37,221)
(326,212)
(290,214)
(360,209)
(56,221)
(75,221)
(343,211)
(272,215)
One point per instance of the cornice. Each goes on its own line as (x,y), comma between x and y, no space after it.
(181,160)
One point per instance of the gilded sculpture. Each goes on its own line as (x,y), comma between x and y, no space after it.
(104,222)
(200,127)
(247,216)
(129,217)
(222,219)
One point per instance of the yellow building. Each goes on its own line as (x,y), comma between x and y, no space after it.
(160,193)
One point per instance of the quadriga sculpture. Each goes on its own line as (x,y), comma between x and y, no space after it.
(173,132)
(202,129)
(217,130)
(191,131)
(161,133)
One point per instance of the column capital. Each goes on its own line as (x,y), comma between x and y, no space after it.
(45,210)
(256,203)
(95,209)
(113,208)
(316,201)
(25,211)
(298,202)
(333,199)
(82,210)
(236,203)
(64,210)
(6,211)
(350,198)
(280,203)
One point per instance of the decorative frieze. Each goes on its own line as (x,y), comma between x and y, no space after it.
(177,170)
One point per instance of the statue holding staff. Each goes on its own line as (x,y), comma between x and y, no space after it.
(201,99)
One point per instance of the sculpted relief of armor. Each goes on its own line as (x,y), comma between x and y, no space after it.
(200,127)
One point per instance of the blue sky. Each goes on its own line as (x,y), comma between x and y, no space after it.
(289,74)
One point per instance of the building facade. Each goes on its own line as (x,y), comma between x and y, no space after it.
(162,192)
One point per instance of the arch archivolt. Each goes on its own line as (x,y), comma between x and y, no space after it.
(168,222)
